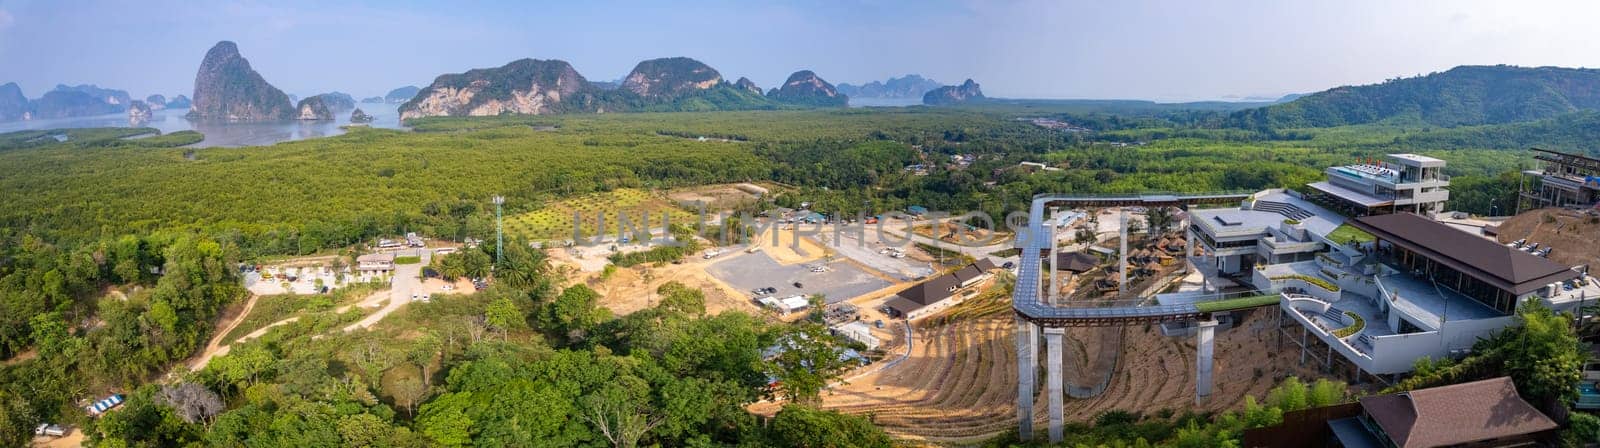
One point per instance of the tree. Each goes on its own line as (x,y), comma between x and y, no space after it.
(445,420)
(621,417)
(573,312)
(1543,355)
(192,402)
(503,315)
(805,427)
(1159,220)
(808,360)
(408,393)
(678,297)
(16,420)
(422,353)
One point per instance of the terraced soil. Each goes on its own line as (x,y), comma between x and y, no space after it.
(959,385)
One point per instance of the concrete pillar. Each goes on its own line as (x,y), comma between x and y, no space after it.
(1122,265)
(1302,346)
(1053,338)
(1027,367)
(1203,349)
(1188,243)
(1054,285)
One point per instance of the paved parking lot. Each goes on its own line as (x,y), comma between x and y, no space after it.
(750,271)
(866,253)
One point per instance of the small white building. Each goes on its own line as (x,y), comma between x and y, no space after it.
(785,305)
(380,263)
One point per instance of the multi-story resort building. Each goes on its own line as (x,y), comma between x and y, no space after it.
(1383,289)
(1406,182)
(1566,180)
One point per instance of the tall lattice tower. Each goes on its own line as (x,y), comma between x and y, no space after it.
(499,230)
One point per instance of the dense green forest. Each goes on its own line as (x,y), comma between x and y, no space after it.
(300,197)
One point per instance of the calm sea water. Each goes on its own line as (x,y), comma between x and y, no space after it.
(223,134)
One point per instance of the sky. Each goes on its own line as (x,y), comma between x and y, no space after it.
(1138,49)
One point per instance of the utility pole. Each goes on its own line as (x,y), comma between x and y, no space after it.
(499,230)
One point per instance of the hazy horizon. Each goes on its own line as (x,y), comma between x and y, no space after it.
(1163,51)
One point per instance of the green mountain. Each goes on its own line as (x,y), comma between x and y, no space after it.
(966,92)
(670,77)
(542,87)
(1466,95)
(805,88)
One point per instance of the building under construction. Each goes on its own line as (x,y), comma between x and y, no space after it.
(1567,180)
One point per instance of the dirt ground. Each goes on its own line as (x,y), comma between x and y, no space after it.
(959,384)
(73,439)
(627,291)
(715,197)
(951,232)
(784,252)
(1575,236)
(437,286)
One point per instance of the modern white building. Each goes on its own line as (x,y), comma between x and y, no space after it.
(1379,291)
(1405,182)
(1271,227)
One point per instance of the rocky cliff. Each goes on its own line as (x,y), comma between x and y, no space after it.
(747,85)
(338,101)
(13,105)
(72,103)
(118,98)
(908,86)
(156,102)
(526,86)
(402,94)
(806,88)
(313,108)
(966,92)
(179,102)
(226,88)
(670,77)
(139,112)
(360,116)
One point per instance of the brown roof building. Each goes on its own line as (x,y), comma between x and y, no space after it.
(1506,268)
(1480,413)
(1497,276)
(1077,262)
(922,295)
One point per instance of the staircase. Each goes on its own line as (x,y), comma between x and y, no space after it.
(1288,210)
(1363,343)
(1334,315)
